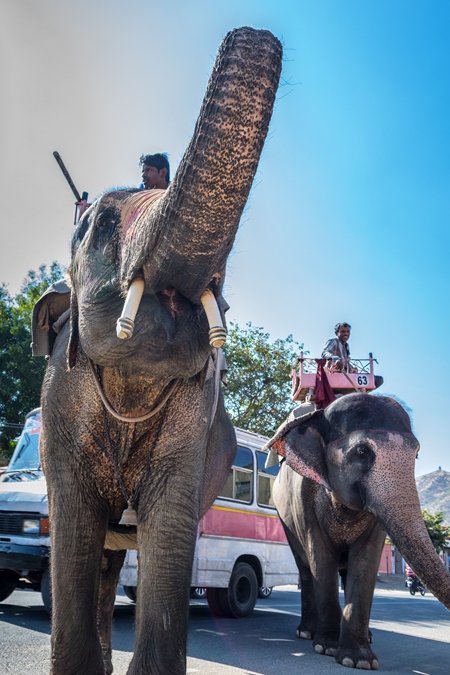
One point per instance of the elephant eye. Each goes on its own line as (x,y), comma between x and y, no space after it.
(106,217)
(362,452)
(105,226)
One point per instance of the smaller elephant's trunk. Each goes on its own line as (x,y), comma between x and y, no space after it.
(393,498)
(415,545)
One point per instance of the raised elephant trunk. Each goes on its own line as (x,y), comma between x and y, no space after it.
(393,498)
(204,203)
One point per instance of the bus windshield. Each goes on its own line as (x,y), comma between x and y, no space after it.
(26,454)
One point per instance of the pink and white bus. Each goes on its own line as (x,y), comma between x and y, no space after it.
(241,547)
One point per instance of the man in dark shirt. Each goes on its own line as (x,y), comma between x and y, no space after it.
(337,350)
(155,171)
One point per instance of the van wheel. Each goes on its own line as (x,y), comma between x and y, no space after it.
(130,592)
(264,592)
(198,592)
(46,590)
(239,599)
(7,586)
(213,596)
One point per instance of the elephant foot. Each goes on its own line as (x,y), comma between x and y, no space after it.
(362,665)
(364,660)
(327,651)
(304,634)
(306,629)
(108,665)
(326,645)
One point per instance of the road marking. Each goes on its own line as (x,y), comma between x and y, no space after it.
(213,632)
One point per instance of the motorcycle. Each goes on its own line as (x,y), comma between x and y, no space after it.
(415,586)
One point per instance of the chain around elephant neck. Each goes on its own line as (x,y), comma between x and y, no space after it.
(122,418)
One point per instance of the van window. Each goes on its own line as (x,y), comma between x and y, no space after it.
(266,478)
(240,479)
(26,453)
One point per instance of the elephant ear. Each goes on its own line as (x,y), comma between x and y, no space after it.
(72,347)
(302,443)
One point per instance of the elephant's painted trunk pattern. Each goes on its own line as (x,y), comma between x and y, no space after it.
(393,498)
(204,203)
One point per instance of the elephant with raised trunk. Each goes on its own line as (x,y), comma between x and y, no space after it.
(347,477)
(134,423)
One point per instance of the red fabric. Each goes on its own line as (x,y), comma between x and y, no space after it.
(323,391)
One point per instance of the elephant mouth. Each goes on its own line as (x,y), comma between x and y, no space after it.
(173,301)
(171,297)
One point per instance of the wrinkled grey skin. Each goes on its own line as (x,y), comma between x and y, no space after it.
(362,448)
(176,462)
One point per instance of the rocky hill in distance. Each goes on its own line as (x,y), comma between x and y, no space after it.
(434,492)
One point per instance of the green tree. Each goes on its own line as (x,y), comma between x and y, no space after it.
(21,374)
(438,532)
(257,396)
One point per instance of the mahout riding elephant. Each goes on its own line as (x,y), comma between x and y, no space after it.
(347,477)
(134,423)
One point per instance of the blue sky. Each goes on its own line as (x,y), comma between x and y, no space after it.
(348,217)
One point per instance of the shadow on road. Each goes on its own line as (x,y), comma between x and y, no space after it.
(265,643)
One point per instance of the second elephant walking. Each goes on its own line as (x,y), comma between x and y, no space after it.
(346,479)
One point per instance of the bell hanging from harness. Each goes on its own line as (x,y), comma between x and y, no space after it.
(129,516)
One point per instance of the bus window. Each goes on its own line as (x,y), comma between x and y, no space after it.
(240,478)
(266,479)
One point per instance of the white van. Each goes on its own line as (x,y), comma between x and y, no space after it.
(24,526)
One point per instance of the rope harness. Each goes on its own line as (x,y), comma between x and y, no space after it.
(123,418)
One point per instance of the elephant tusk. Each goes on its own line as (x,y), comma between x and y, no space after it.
(125,323)
(217,332)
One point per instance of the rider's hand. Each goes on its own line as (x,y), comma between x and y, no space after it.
(82,206)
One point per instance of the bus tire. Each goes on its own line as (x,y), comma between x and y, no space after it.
(239,599)
(46,590)
(213,596)
(7,585)
(130,592)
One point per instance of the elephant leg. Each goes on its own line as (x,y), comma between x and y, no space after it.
(308,623)
(78,533)
(354,644)
(166,542)
(324,569)
(112,562)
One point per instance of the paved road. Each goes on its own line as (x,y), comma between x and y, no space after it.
(411,635)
